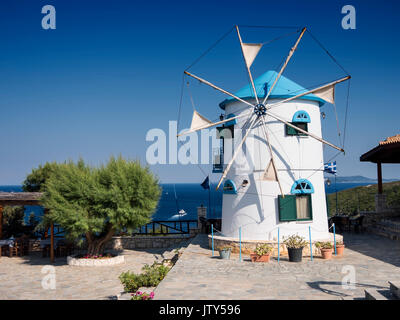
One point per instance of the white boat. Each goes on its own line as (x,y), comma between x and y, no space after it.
(179,215)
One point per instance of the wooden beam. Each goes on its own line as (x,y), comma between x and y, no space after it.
(1,223)
(52,243)
(380,187)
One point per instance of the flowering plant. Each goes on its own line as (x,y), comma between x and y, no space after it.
(139,295)
(263,249)
(324,245)
(295,242)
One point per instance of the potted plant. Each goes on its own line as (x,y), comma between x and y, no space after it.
(295,245)
(262,253)
(225,253)
(325,248)
(339,248)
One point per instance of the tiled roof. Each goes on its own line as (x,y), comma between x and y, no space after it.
(389,140)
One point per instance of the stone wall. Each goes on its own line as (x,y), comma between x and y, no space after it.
(147,242)
(248,246)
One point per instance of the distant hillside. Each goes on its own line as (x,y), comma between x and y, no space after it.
(363,198)
(358,179)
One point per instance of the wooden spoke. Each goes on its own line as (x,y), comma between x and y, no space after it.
(307,92)
(291,52)
(236,152)
(213,124)
(304,131)
(247,67)
(218,88)
(263,125)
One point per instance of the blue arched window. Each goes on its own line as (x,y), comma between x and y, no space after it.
(301,116)
(229,187)
(302,186)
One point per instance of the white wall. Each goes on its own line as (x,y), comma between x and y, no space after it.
(255,207)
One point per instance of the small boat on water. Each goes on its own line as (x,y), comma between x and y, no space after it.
(182,213)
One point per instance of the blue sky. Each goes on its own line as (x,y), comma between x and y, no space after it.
(112,70)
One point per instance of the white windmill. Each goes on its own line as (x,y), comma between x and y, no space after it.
(279,124)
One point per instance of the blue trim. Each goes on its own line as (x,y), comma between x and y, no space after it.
(301,116)
(232,122)
(231,185)
(302,186)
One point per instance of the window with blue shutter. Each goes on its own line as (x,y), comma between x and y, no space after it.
(300,119)
(229,187)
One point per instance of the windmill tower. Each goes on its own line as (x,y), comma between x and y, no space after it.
(274,175)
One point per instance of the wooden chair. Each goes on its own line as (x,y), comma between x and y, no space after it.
(16,250)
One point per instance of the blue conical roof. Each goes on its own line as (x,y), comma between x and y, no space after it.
(284,88)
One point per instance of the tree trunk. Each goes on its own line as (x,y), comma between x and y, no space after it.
(96,246)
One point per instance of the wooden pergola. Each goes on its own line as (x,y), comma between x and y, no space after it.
(24,199)
(388,151)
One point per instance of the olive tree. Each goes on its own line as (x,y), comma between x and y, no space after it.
(98,201)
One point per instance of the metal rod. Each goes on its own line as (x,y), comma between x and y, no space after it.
(334,237)
(212,239)
(309,232)
(278,246)
(240,243)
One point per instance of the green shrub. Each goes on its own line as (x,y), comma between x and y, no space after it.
(151,277)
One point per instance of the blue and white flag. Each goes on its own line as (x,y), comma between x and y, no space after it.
(330,167)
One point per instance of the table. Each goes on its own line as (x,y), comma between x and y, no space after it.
(47,242)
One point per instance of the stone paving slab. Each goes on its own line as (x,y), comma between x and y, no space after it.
(198,275)
(21,277)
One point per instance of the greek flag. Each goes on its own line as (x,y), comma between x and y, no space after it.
(330,167)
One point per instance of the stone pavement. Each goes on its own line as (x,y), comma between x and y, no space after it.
(198,275)
(21,277)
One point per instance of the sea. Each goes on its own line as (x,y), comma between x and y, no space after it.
(180,201)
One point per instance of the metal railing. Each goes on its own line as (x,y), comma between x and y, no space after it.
(163,227)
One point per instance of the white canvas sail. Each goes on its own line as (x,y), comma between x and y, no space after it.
(327,94)
(198,121)
(270,174)
(250,51)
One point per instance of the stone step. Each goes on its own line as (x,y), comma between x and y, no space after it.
(384,233)
(395,288)
(374,294)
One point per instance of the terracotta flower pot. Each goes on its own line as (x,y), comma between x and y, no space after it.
(339,249)
(326,253)
(256,258)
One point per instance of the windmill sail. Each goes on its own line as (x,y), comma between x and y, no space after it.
(270,174)
(198,121)
(250,51)
(327,94)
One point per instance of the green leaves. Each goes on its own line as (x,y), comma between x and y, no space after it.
(151,277)
(89,200)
